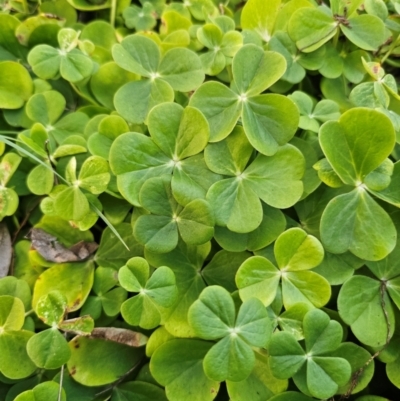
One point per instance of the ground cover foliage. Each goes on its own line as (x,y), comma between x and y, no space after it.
(199,200)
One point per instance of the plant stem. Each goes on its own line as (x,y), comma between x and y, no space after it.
(113,12)
(62,371)
(336,37)
(109,225)
(389,52)
(25,152)
(61,383)
(113,194)
(89,99)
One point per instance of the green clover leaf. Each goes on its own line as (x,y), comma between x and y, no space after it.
(9,200)
(71,203)
(365,31)
(16,85)
(140,18)
(158,231)
(177,365)
(108,295)
(261,17)
(297,62)
(43,391)
(48,349)
(236,200)
(97,361)
(269,121)
(272,225)
(353,160)
(260,384)
(141,55)
(222,45)
(232,358)
(73,280)
(186,262)
(312,115)
(313,365)
(177,136)
(68,62)
(13,339)
(295,253)
(157,291)
(360,301)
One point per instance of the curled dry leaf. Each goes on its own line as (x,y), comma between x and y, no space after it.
(122,336)
(53,251)
(5,250)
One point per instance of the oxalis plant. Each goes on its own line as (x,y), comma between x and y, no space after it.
(199,200)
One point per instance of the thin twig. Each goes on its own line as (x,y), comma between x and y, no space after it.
(25,220)
(121,379)
(19,228)
(62,369)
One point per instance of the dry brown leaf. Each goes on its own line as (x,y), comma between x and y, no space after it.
(123,336)
(5,250)
(53,251)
